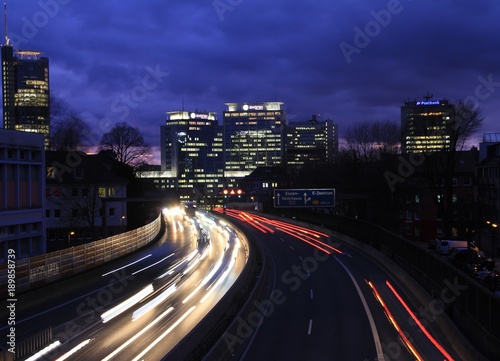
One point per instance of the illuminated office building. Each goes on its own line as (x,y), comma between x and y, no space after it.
(26,95)
(425,125)
(253,136)
(311,141)
(192,151)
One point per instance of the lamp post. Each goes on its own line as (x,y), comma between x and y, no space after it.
(71,233)
(121,221)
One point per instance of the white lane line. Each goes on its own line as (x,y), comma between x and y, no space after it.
(291,248)
(153,264)
(282,240)
(310,327)
(127,265)
(312,294)
(376,338)
(300,258)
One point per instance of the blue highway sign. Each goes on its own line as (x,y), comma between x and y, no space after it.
(324,197)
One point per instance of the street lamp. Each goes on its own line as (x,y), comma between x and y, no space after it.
(72,233)
(122,220)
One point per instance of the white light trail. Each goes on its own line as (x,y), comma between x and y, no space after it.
(163,335)
(137,335)
(154,302)
(74,350)
(44,351)
(125,305)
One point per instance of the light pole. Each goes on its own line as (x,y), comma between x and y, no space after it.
(121,221)
(71,233)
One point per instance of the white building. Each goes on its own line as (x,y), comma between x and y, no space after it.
(22,194)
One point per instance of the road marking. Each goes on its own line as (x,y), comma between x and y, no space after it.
(311,294)
(310,326)
(347,254)
(127,265)
(308,274)
(300,258)
(282,240)
(376,338)
(291,248)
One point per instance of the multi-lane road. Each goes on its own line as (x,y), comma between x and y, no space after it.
(327,301)
(323,300)
(140,307)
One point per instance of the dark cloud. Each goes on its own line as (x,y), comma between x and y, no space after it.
(100,52)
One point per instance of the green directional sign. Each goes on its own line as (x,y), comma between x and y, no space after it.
(323,197)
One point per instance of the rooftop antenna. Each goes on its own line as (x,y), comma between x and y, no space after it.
(7,40)
(427,96)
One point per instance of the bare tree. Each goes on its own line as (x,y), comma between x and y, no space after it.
(68,131)
(368,141)
(440,166)
(69,134)
(126,143)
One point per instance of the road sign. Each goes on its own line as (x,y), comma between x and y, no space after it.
(324,197)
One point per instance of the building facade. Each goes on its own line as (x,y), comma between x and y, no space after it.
(26,93)
(425,125)
(22,201)
(85,198)
(253,136)
(311,141)
(192,152)
(488,193)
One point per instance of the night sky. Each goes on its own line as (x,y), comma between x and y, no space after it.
(348,60)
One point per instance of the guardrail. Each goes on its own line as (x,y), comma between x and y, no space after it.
(471,306)
(39,270)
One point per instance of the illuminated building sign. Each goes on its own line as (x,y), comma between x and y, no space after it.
(253,107)
(429,102)
(199,115)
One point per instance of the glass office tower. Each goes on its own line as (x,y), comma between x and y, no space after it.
(26,93)
(253,136)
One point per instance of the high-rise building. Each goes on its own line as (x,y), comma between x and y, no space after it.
(192,150)
(425,125)
(253,136)
(26,95)
(311,141)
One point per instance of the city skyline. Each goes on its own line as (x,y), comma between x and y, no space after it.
(349,61)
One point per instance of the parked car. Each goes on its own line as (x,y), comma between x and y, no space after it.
(444,246)
(471,260)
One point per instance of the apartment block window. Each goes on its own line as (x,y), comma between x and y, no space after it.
(57,213)
(111,212)
(47,213)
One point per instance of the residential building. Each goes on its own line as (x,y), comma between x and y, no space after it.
(26,93)
(488,193)
(421,220)
(22,185)
(425,125)
(86,197)
(253,136)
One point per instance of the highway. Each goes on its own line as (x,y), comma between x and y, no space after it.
(327,301)
(141,306)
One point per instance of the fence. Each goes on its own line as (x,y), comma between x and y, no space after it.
(39,270)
